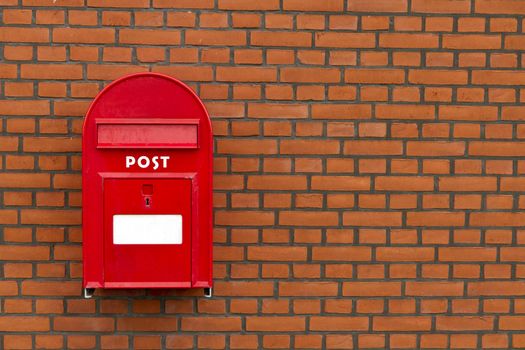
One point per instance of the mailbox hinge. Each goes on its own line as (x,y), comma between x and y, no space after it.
(88,293)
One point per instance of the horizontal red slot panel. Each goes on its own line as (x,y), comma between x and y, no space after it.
(148,134)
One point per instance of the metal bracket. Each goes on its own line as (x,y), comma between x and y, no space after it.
(88,293)
(208,292)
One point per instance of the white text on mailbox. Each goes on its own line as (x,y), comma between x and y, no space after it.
(145,161)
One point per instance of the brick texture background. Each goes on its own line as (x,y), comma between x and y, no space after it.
(369,180)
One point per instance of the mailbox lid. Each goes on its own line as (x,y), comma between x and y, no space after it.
(161,256)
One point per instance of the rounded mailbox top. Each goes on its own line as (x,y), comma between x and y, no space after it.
(147,95)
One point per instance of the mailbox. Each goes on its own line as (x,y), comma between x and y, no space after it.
(147,187)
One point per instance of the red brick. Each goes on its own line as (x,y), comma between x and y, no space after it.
(515,42)
(310,75)
(125,4)
(189,4)
(404,254)
(438,288)
(277,253)
(295,39)
(84,35)
(24,35)
(51,217)
(341,253)
(482,113)
(308,218)
(86,324)
(182,72)
(467,184)
(298,5)
(9,71)
(335,323)
(75,17)
(114,341)
(374,76)
(497,77)
(248,6)
(496,288)
(211,324)
(503,25)
(275,323)
(512,254)
(340,183)
(341,111)
(405,112)
(372,147)
(496,219)
(24,180)
(24,323)
(404,183)
(244,218)
(24,107)
(308,289)
(511,323)
(8,288)
(276,182)
(467,254)
(19,252)
(495,149)
(408,323)
(17,16)
(307,147)
(512,112)
(436,219)
(247,147)
(438,77)
(243,288)
(246,74)
(141,324)
(48,288)
(149,36)
(248,56)
(500,6)
(440,6)
(472,42)
(215,37)
(345,40)
(116,18)
(464,323)
(371,289)
(17,342)
(377,6)
(399,40)
(339,341)
(275,110)
(51,144)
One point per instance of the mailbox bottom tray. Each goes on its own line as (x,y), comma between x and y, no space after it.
(147,284)
(88,292)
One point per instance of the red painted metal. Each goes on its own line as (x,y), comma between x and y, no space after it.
(147,115)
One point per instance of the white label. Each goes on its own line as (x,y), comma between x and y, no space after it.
(147,229)
(144,162)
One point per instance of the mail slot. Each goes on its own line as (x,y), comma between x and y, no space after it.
(147,184)
(147,133)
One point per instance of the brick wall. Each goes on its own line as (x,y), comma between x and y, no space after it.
(368,188)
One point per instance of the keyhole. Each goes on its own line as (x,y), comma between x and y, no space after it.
(148,202)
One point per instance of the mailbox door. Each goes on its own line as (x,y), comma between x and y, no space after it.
(147,232)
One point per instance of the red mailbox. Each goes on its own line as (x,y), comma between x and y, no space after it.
(147,187)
